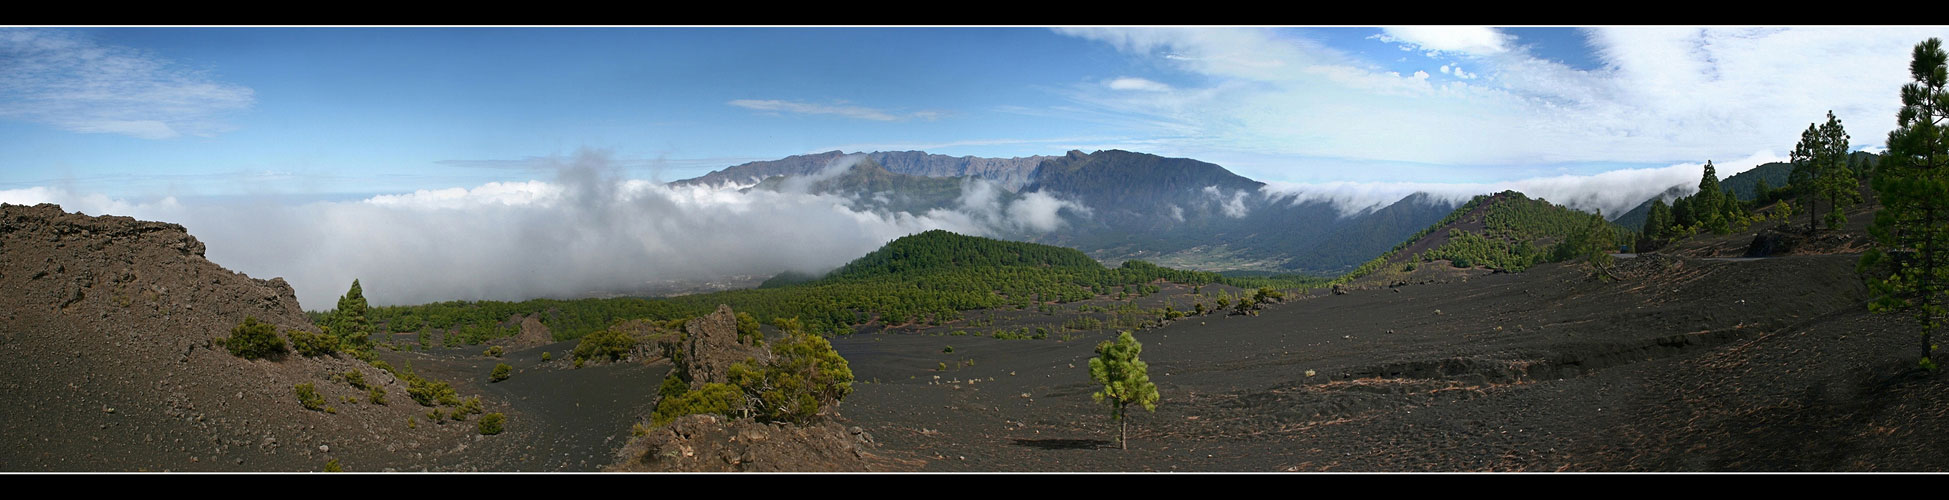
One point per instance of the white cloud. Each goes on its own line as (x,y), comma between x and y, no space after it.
(69,81)
(1658,96)
(1232,206)
(1472,40)
(585,231)
(1133,83)
(841,109)
(1614,192)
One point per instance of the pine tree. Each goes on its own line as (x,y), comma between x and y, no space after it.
(1658,223)
(1804,180)
(1836,181)
(1909,267)
(1709,204)
(349,322)
(1125,379)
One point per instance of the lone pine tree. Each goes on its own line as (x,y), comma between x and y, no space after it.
(1909,267)
(1125,379)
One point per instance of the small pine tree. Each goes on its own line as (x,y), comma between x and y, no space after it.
(1125,379)
(501,372)
(349,322)
(1836,182)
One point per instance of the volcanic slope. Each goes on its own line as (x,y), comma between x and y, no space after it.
(110,330)
(1682,364)
(1505,231)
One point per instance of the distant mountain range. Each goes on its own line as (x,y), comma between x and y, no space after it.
(1011,173)
(1177,212)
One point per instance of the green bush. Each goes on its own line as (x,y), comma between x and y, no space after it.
(721,399)
(254,339)
(376,394)
(612,344)
(356,379)
(471,406)
(429,392)
(332,466)
(313,344)
(804,375)
(672,387)
(490,424)
(501,372)
(495,352)
(748,332)
(308,396)
(545,356)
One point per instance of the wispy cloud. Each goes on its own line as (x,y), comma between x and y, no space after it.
(1472,40)
(1657,95)
(840,109)
(69,81)
(1134,83)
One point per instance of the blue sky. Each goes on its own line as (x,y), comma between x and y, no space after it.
(438,163)
(356,110)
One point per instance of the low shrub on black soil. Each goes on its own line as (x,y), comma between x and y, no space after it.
(308,396)
(490,424)
(253,339)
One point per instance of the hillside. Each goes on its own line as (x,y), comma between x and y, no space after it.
(111,335)
(1745,185)
(1506,231)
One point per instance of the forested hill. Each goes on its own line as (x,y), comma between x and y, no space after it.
(942,250)
(1507,231)
(929,277)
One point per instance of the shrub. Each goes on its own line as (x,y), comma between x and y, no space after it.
(471,406)
(612,344)
(254,339)
(495,352)
(428,392)
(377,395)
(332,466)
(721,399)
(805,375)
(545,356)
(748,332)
(672,387)
(501,372)
(308,396)
(490,424)
(313,344)
(356,379)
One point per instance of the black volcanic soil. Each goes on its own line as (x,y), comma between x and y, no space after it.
(1688,364)
(1684,364)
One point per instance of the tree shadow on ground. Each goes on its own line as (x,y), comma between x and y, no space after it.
(1063,444)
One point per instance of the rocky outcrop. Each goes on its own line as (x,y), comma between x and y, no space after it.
(710,347)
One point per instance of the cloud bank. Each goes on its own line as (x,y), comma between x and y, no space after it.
(586,231)
(1614,192)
